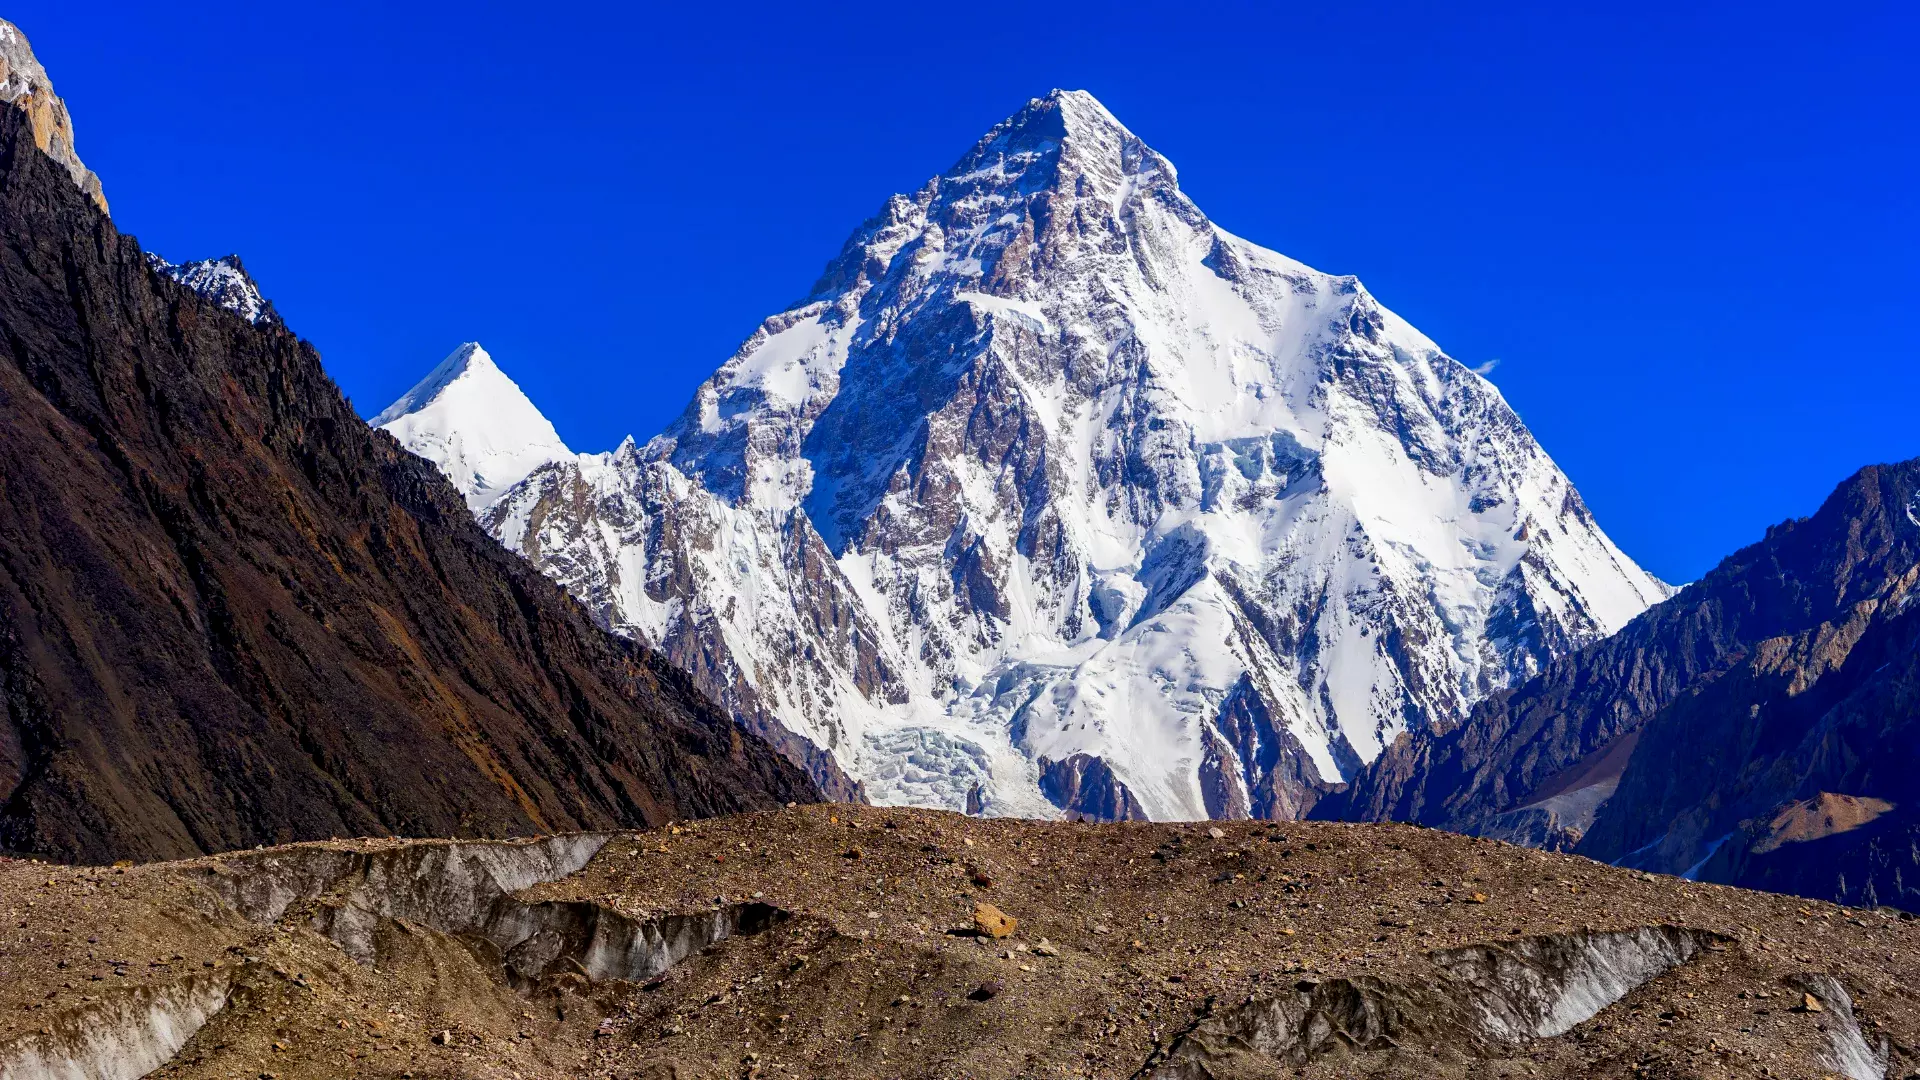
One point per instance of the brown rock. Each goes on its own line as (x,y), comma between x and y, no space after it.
(25,83)
(990,921)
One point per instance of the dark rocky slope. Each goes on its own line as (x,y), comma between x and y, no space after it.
(1772,704)
(232,614)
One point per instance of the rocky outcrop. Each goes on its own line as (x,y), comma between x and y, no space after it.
(1085,788)
(223,281)
(25,85)
(232,614)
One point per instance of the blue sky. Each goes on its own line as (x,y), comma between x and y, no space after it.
(1688,237)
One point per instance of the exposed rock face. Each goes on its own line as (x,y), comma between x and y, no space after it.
(1085,788)
(1758,728)
(1798,769)
(24,84)
(1048,466)
(231,613)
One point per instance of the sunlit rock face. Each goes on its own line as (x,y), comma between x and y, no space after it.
(24,84)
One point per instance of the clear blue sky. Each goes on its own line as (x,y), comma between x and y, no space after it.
(1689,236)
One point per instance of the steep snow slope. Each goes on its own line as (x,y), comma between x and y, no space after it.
(1055,497)
(468,418)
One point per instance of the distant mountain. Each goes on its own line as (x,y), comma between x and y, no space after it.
(468,418)
(233,614)
(1760,728)
(1053,497)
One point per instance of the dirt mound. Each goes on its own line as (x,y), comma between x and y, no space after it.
(846,942)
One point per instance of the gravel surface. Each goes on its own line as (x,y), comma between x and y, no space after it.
(862,945)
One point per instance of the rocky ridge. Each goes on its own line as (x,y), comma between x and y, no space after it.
(223,281)
(25,85)
(1757,728)
(233,614)
(1051,473)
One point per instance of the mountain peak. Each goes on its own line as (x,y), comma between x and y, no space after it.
(475,423)
(1073,136)
(469,357)
(25,84)
(1063,113)
(1082,111)
(223,281)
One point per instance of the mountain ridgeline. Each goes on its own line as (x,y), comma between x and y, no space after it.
(233,614)
(1760,728)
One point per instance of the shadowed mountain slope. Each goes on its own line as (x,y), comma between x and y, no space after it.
(231,614)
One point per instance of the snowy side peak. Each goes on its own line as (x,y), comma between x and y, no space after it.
(24,83)
(223,281)
(475,423)
(470,357)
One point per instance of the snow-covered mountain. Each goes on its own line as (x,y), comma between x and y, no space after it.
(468,418)
(223,281)
(1054,497)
